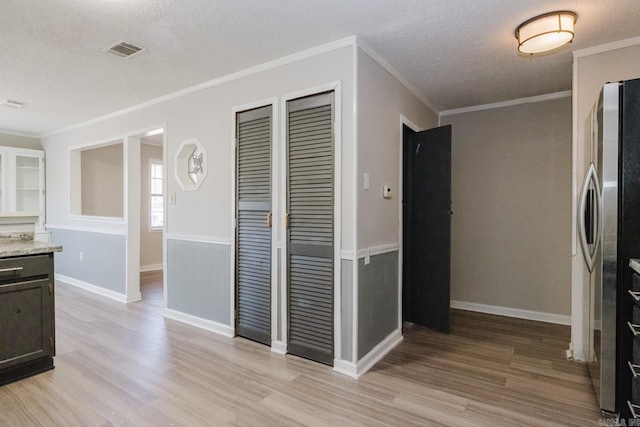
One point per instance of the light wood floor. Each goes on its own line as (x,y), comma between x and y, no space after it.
(125,365)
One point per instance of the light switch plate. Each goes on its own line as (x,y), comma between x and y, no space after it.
(367,185)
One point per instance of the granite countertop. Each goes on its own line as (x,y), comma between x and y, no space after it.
(26,247)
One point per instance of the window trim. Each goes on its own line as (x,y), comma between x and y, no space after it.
(150,194)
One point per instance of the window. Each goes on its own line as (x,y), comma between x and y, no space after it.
(156,204)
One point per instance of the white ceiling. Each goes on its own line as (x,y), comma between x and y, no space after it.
(457,53)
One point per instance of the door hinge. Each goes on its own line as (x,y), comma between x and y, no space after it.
(50,288)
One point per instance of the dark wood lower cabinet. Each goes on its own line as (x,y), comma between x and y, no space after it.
(27,317)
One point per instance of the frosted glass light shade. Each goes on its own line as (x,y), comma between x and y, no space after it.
(545,32)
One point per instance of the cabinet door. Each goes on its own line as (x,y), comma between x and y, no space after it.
(26,316)
(28,183)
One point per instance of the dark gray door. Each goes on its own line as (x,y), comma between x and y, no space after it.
(310,205)
(253,226)
(427,227)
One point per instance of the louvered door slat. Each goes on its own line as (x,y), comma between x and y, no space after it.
(310,238)
(253,235)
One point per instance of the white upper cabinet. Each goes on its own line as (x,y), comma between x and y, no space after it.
(22,182)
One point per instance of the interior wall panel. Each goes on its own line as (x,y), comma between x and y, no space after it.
(377,300)
(102,262)
(200,277)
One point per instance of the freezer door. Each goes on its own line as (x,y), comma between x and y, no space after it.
(589,221)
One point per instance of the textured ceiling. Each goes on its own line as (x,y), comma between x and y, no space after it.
(457,53)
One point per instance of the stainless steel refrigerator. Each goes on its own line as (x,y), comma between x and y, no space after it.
(609,211)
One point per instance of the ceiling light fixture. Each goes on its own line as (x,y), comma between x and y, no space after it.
(545,32)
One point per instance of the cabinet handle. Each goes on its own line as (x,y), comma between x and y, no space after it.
(286,220)
(634,295)
(633,369)
(269,220)
(6,270)
(633,408)
(633,328)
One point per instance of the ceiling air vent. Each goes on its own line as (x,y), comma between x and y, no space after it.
(124,49)
(12,103)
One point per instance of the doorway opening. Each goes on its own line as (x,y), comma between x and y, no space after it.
(425,227)
(152,216)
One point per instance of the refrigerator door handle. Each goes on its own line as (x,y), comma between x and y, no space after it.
(589,212)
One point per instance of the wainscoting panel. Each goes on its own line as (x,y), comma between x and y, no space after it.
(378,300)
(199,279)
(346,311)
(95,258)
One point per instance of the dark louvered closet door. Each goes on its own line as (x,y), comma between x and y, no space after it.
(253,230)
(310,234)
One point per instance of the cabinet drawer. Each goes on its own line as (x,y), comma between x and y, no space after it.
(19,268)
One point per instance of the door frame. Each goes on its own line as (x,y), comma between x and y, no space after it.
(275,195)
(336,87)
(403,122)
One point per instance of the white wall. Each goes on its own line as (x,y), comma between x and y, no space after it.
(381,101)
(150,241)
(511,191)
(206,114)
(592,68)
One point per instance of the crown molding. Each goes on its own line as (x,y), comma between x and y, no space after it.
(620,44)
(24,135)
(308,53)
(511,103)
(395,73)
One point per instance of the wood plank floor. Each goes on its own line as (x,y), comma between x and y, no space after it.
(125,365)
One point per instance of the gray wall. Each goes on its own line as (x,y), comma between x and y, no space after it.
(377,300)
(511,191)
(346,311)
(103,181)
(199,279)
(103,257)
(7,140)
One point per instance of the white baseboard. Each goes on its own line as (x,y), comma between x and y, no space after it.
(279,347)
(93,288)
(199,322)
(345,367)
(512,312)
(378,352)
(356,370)
(150,267)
